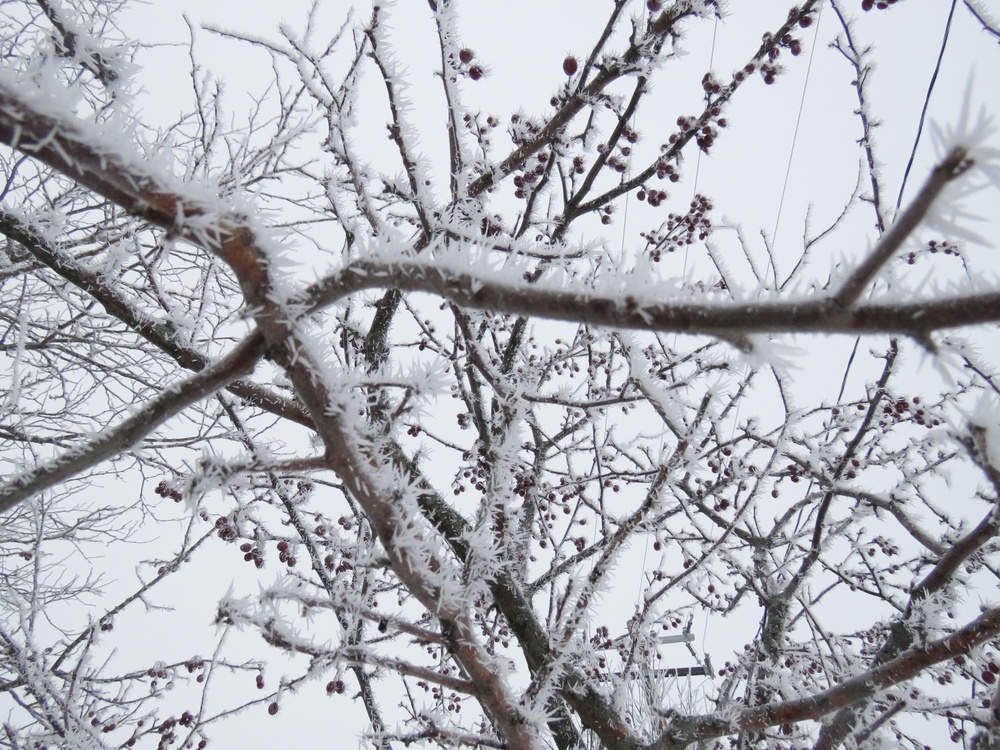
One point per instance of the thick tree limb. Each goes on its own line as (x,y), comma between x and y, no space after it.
(121,176)
(726,320)
(836,313)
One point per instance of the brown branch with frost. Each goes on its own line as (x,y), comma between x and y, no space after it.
(723,320)
(354,656)
(611,71)
(769,43)
(956,163)
(990,24)
(67,45)
(157,332)
(398,126)
(901,634)
(861,687)
(118,439)
(595,710)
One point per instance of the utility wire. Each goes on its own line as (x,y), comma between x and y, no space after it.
(795,133)
(927,101)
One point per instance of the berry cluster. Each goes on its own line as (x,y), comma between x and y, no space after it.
(704,129)
(666,171)
(934,247)
(490,226)
(680,230)
(787,41)
(226,529)
(792,44)
(475,476)
(620,156)
(454,700)
(480,130)
(284,555)
(619,165)
(989,673)
(466,65)
(168,733)
(653,197)
(902,409)
(601,639)
(522,129)
(710,85)
(252,554)
(533,171)
(769,68)
(194,664)
(165,490)
(496,631)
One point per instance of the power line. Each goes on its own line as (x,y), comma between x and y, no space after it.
(795,133)
(927,100)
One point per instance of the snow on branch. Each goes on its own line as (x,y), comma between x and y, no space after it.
(903,668)
(118,439)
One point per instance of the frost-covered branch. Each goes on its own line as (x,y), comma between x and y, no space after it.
(118,439)
(989,22)
(645,310)
(950,168)
(858,688)
(160,333)
(94,60)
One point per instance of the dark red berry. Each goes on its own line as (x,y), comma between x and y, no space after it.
(569,66)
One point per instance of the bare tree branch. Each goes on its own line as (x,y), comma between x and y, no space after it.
(856,689)
(120,438)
